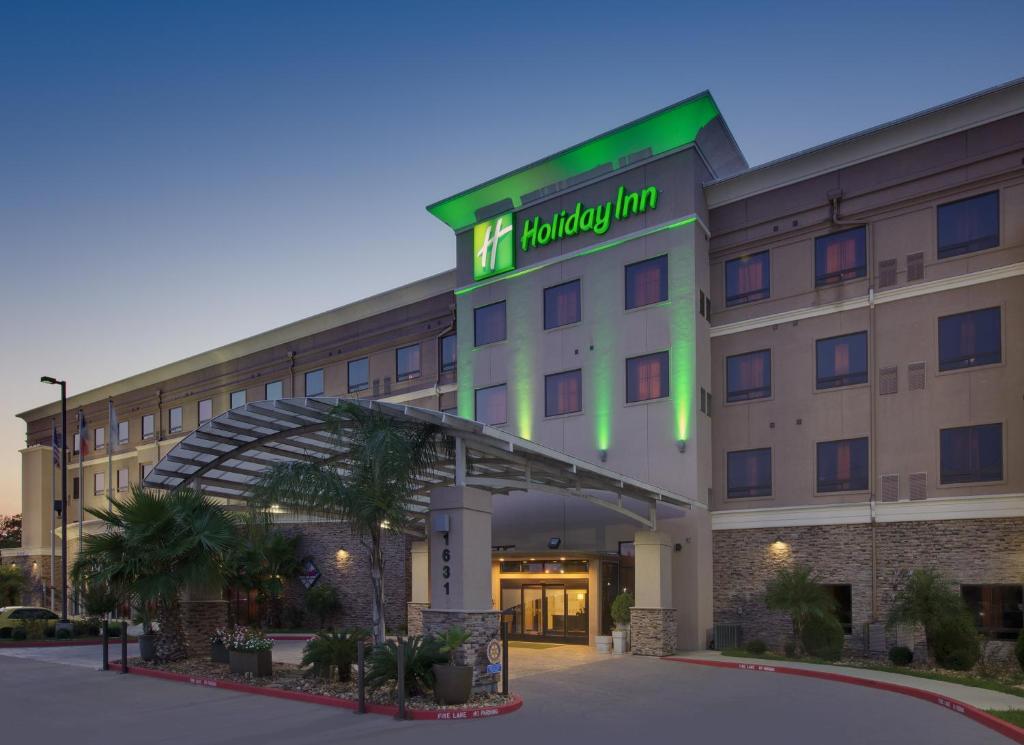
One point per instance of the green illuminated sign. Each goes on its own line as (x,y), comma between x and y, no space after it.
(595,219)
(494,249)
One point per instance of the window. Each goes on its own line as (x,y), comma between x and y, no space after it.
(99,485)
(76,443)
(489,324)
(314,383)
(122,479)
(174,419)
(144,469)
(843,465)
(647,377)
(562,305)
(747,279)
(449,352)
(75,488)
(843,597)
(748,376)
(970,339)
(647,282)
(996,609)
(274,390)
(407,362)
(359,375)
(148,425)
(205,410)
(842,361)
(968,225)
(969,454)
(237,398)
(99,437)
(840,257)
(491,405)
(749,473)
(563,393)
(122,432)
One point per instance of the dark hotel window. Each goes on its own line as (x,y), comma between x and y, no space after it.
(750,473)
(647,377)
(563,393)
(842,360)
(407,362)
(843,465)
(491,405)
(562,304)
(315,383)
(970,339)
(748,376)
(148,425)
(359,374)
(843,597)
(839,257)
(237,398)
(969,454)
(449,352)
(174,419)
(205,410)
(996,609)
(968,225)
(274,390)
(647,282)
(489,324)
(747,278)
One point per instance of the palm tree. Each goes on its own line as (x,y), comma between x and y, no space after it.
(153,548)
(264,560)
(12,584)
(370,485)
(794,591)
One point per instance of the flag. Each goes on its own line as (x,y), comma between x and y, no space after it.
(115,437)
(83,435)
(55,442)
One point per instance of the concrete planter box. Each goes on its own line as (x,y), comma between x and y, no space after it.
(258,664)
(219,653)
(603,644)
(620,641)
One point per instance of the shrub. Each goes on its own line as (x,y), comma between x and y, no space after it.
(329,651)
(954,642)
(244,639)
(420,652)
(5,633)
(63,634)
(50,631)
(621,608)
(12,584)
(901,656)
(756,646)
(790,649)
(294,617)
(794,591)
(35,628)
(114,630)
(322,601)
(19,634)
(931,600)
(1019,650)
(451,640)
(823,637)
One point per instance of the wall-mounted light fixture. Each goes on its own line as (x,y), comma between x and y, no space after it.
(681,444)
(603,455)
(554,543)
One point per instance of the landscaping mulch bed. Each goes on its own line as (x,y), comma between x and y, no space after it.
(288,677)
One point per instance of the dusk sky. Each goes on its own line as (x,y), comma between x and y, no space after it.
(174,177)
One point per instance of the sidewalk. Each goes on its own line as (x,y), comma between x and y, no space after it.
(980,698)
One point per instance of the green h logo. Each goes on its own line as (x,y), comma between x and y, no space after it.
(494,248)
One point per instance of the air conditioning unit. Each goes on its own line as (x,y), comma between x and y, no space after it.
(728,636)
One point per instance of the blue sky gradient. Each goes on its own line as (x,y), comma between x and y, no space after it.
(166,168)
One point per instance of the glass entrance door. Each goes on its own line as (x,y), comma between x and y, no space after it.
(553,612)
(533,610)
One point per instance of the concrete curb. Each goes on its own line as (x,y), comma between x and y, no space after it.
(290,637)
(68,643)
(468,712)
(1015,733)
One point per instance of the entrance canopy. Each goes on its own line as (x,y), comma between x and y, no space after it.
(227,455)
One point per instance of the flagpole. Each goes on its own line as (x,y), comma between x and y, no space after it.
(53,513)
(81,490)
(111,439)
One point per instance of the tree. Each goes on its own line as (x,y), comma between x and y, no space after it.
(10,531)
(12,584)
(370,485)
(794,591)
(264,560)
(929,599)
(153,548)
(322,601)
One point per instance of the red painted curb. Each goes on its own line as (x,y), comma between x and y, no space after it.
(1001,726)
(474,712)
(70,643)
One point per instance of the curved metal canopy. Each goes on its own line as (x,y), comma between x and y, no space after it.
(228,454)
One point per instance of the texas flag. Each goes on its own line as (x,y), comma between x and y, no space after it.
(83,435)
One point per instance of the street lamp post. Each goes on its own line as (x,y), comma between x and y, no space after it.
(63,493)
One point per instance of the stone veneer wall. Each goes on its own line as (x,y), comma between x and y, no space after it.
(653,631)
(350,574)
(414,626)
(483,626)
(985,551)
(39,580)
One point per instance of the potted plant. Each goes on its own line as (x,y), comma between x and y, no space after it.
(249,652)
(147,639)
(453,683)
(219,646)
(620,615)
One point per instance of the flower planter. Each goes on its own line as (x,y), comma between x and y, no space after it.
(147,647)
(258,664)
(603,644)
(218,653)
(453,684)
(620,641)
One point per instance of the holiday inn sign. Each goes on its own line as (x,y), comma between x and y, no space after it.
(494,240)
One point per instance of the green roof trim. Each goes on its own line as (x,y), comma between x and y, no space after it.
(663,131)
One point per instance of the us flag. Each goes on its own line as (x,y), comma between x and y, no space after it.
(56,442)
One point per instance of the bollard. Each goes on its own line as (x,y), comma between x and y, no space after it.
(106,641)
(124,647)
(504,657)
(400,659)
(360,675)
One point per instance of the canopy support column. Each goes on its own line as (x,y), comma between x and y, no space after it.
(653,619)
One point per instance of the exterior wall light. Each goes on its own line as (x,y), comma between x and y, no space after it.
(603,455)
(554,543)
(681,444)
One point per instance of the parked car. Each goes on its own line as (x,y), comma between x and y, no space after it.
(12,616)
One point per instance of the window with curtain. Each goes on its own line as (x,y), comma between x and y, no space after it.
(205,410)
(968,225)
(843,465)
(274,390)
(491,405)
(407,362)
(174,419)
(749,473)
(563,393)
(970,454)
(562,304)
(148,425)
(747,278)
(99,483)
(970,339)
(748,376)
(840,257)
(237,398)
(842,360)
(647,377)
(997,609)
(99,437)
(449,352)
(647,282)
(314,383)
(358,374)
(489,324)
(122,479)
(122,432)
